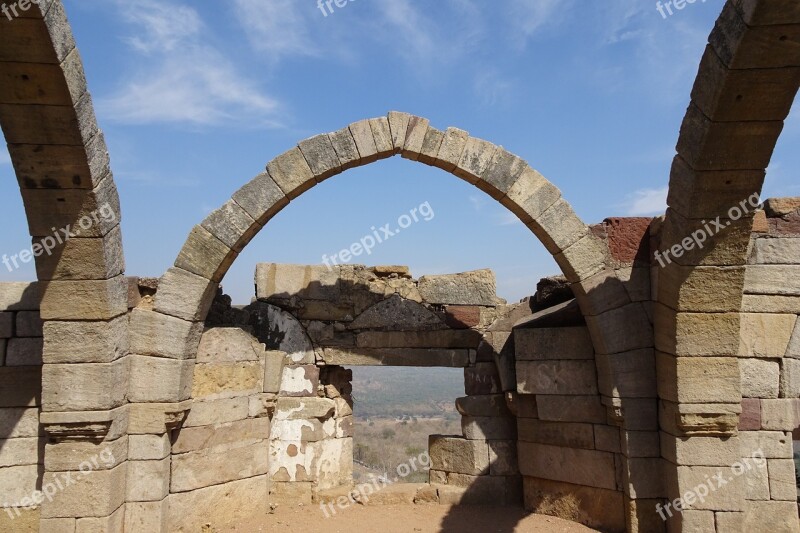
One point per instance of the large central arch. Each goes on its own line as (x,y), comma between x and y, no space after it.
(164,340)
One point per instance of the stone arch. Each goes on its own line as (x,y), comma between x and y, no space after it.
(62,166)
(745,87)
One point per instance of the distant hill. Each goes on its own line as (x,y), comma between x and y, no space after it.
(406,392)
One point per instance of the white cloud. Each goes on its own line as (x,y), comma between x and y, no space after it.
(279,27)
(183,80)
(646,202)
(491,87)
(530,17)
(507,218)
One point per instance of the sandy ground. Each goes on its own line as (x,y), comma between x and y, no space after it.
(407,518)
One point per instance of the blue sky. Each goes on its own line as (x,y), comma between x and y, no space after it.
(195,97)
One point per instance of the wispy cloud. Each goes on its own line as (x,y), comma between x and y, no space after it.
(528,18)
(646,202)
(280,29)
(181,79)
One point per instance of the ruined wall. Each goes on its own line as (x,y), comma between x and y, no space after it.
(21,438)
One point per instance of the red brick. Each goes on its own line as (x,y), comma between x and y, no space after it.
(462,316)
(628,238)
(750,419)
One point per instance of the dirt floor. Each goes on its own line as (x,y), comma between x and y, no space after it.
(407,518)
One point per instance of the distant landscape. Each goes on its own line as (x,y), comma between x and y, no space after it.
(395,410)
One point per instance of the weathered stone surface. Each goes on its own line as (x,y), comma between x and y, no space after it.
(772,279)
(29,324)
(84,387)
(455,454)
(501,174)
(219,504)
(475,159)
(262,198)
(558,227)
(222,464)
(382,135)
(552,343)
(321,156)
(205,255)
(345,147)
(581,467)
(765,335)
(556,377)
(398,314)
(365,141)
(152,333)
(299,380)
(750,419)
(778,207)
(148,480)
(696,334)
(697,420)
(73,456)
(462,316)
(21,452)
(530,196)
(398,124)
(458,358)
(24,352)
(227,380)
(90,342)
(568,435)
(157,380)
(685,379)
(228,345)
(761,303)
(19,483)
(503,458)
(769,444)
(785,251)
(782,484)
(19,296)
(451,149)
(779,415)
(430,146)
(88,300)
(292,173)
(304,408)
(6,325)
(415,135)
(488,428)
(790,379)
(571,408)
(484,405)
(468,288)
(419,339)
(770,516)
(280,331)
(148,447)
(146,516)
(597,508)
(232,225)
(701,289)
(687,478)
(109,485)
(701,451)
(760,378)
(627,375)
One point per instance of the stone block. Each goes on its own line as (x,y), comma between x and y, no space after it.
(219,505)
(782,480)
(483,405)
(398,314)
(558,227)
(456,454)
(74,456)
(482,379)
(639,443)
(21,452)
(769,444)
(365,141)
(345,147)
(191,439)
(430,146)
(607,439)
(18,483)
(300,380)
(771,516)
(603,291)
(146,516)
(6,325)
(580,467)
(205,255)
(292,173)
(148,447)
(686,379)
(321,156)
(419,339)
(556,377)
(760,378)
(184,295)
(475,159)
(566,434)
(784,251)
(642,477)
(501,174)
(222,464)
(305,408)
(453,144)
(779,415)
(696,334)
(772,279)
(553,343)
(383,136)
(24,351)
(683,479)
(530,196)
(20,386)
(700,451)
(571,408)
(85,386)
(790,378)
(398,124)
(19,296)
(84,300)
(503,458)
(421,357)
(701,288)
(109,486)
(462,316)
(262,198)
(488,428)
(86,342)
(29,324)
(627,375)
(621,330)
(148,481)
(765,335)
(228,345)
(763,303)
(217,412)
(159,380)
(94,258)
(756,482)
(227,380)
(711,419)
(469,288)
(152,333)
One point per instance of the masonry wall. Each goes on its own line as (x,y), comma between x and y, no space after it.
(21,438)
